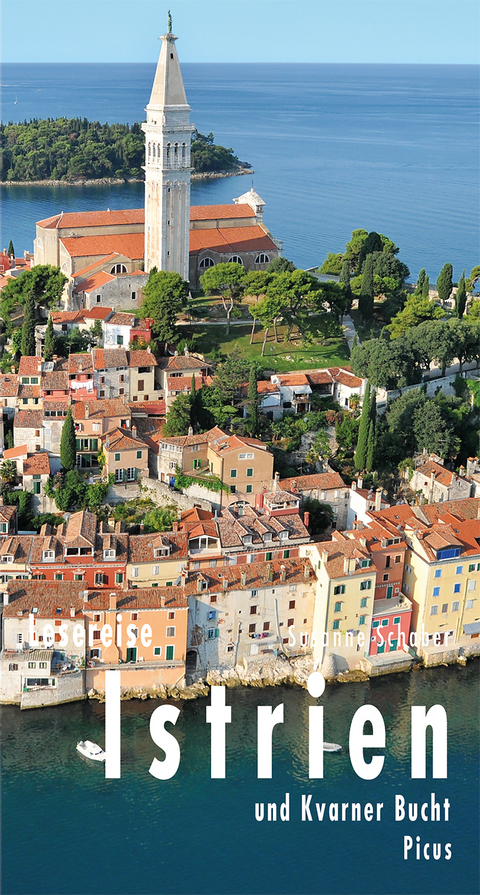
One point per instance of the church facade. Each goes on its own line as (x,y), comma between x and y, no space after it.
(110,253)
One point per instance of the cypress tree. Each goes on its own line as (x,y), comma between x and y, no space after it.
(345,274)
(68,453)
(360,458)
(420,282)
(28,329)
(253,416)
(445,283)
(11,250)
(426,287)
(365,302)
(50,341)
(371,441)
(461,297)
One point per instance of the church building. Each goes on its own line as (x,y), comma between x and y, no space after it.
(107,255)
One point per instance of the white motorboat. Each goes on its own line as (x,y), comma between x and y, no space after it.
(91,750)
(331,747)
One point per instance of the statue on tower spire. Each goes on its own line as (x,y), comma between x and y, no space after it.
(169,22)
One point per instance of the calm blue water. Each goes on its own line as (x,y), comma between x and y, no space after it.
(334,147)
(67,830)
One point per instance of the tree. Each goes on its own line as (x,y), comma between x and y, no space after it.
(295,293)
(43,281)
(11,250)
(461,297)
(473,278)
(365,302)
(96,332)
(373,243)
(360,458)
(267,311)
(445,283)
(179,416)
(280,265)
(164,297)
(8,471)
(420,281)
(332,264)
(68,455)
(371,441)
(252,421)
(50,341)
(160,519)
(425,293)
(353,249)
(28,328)
(320,513)
(256,282)
(228,279)
(416,310)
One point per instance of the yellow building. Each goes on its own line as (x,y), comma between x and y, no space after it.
(156,560)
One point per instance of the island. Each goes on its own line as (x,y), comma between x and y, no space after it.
(75,150)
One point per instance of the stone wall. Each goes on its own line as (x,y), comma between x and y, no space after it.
(69,688)
(160,493)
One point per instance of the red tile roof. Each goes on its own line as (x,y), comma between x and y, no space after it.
(30,366)
(109,358)
(130,245)
(121,440)
(217,212)
(8,385)
(94,266)
(80,363)
(94,282)
(37,464)
(141,358)
(28,419)
(25,595)
(151,408)
(321,481)
(119,319)
(13,453)
(231,239)
(97,410)
(97,313)
(94,219)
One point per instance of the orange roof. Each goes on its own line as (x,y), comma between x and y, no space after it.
(290,379)
(94,219)
(94,282)
(130,245)
(37,464)
(30,365)
(217,212)
(13,453)
(97,313)
(231,239)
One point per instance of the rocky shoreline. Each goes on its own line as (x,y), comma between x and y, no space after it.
(103,181)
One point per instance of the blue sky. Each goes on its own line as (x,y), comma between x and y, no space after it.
(400,31)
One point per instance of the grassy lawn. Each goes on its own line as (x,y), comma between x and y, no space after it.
(283,356)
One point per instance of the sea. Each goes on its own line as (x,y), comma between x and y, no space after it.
(66,830)
(334,148)
(391,148)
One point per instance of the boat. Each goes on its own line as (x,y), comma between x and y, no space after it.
(91,750)
(331,747)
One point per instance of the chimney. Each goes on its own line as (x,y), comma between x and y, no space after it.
(40,365)
(243,578)
(276,481)
(190,430)
(324,556)
(306,519)
(462,472)
(113,601)
(134,430)
(354,486)
(306,572)
(107,441)
(186,352)
(346,565)
(142,526)
(72,611)
(175,526)
(283,573)
(87,411)
(378,499)
(6,598)
(225,583)
(149,350)
(359,482)
(294,487)
(270,573)
(85,596)
(183,576)
(80,368)
(259,501)
(363,542)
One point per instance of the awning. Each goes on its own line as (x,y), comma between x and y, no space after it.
(474,628)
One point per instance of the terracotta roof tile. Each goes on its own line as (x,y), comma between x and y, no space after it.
(25,595)
(180,362)
(94,282)
(109,358)
(18,546)
(28,391)
(121,440)
(102,409)
(81,526)
(8,385)
(80,363)
(130,245)
(321,481)
(56,381)
(14,453)
(231,239)
(30,366)
(217,212)
(142,547)
(28,419)
(37,464)
(119,319)
(94,219)
(95,266)
(141,358)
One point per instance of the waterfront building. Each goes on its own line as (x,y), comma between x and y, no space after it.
(157,559)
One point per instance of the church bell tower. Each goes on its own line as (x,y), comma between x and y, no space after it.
(167,165)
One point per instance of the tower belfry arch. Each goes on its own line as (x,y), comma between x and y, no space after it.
(167,165)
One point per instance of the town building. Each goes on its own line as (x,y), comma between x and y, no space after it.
(437,484)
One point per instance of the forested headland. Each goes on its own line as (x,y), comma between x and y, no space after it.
(72,149)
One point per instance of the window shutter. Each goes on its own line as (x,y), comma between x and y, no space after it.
(136,473)
(217,632)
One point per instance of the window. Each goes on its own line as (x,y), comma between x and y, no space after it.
(119,340)
(386,577)
(96,635)
(78,576)
(13,667)
(459,570)
(249,489)
(363,602)
(233,473)
(436,591)
(434,610)
(455,606)
(375,624)
(365,585)
(117,457)
(444,607)
(99,578)
(171,631)
(472,585)
(361,620)
(170,653)
(134,296)
(58,576)
(337,607)
(119,578)
(249,472)
(456,588)
(336,624)
(206,262)
(253,610)
(233,489)
(251,629)
(135,572)
(131,474)
(139,455)
(157,650)
(98,299)
(438,573)
(384,622)
(109,554)
(268,556)
(339,589)
(141,385)
(262,258)
(469,604)
(398,559)
(118,268)
(291,604)
(235,259)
